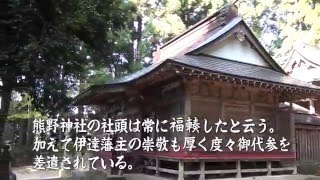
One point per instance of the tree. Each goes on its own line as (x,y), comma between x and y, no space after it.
(49,46)
(151,24)
(45,44)
(21,113)
(279,24)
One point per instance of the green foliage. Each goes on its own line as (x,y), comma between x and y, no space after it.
(166,19)
(288,21)
(48,43)
(63,46)
(149,24)
(23,109)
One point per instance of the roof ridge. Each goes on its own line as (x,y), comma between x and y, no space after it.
(226,10)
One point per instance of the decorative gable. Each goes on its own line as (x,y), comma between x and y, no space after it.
(236,50)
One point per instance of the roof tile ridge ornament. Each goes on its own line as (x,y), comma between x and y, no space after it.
(229,12)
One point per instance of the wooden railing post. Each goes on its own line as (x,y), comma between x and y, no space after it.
(157,167)
(238,169)
(202,170)
(269,168)
(181,170)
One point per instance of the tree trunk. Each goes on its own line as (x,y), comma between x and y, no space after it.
(131,49)
(4,109)
(138,36)
(29,132)
(23,131)
(5,102)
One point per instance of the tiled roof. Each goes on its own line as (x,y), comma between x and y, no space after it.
(137,74)
(224,67)
(212,65)
(239,69)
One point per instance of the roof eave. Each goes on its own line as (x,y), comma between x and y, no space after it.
(99,89)
(317,89)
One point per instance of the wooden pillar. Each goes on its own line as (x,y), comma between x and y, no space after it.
(251,104)
(269,168)
(181,170)
(157,167)
(238,169)
(252,110)
(187,108)
(277,124)
(187,101)
(292,137)
(202,170)
(223,117)
(222,110)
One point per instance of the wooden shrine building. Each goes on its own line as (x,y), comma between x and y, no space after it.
(215,70)
(303,63)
